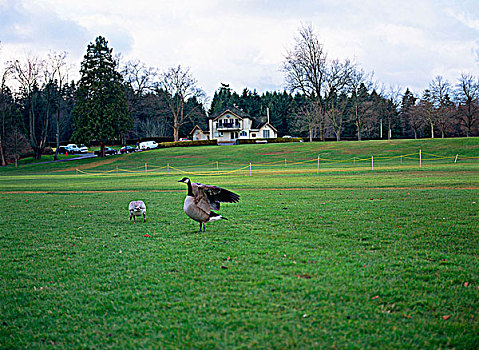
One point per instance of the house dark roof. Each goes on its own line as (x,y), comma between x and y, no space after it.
(260,125)
(233,110)
(199,128)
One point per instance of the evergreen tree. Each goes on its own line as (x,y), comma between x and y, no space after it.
(11,126)
(101,110)
(408,120)
(223,98)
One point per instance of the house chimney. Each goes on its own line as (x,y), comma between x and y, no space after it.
(267,113)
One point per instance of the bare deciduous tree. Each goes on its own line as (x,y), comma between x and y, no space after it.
(359,86)
(393,96)
(309,72)
(4,73)
(335,114)
(180,86)
(306,69)
(57,72)
(307,119)
(426,110)
(28,75)
(440,96)
(415,118)
(140,79)
(467,96)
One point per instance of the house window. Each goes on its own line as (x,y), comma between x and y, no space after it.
(253,135)
(266,134)
(243,133)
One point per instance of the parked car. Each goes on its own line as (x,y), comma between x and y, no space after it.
(83,148)
(127,149)
(286,136)
(108,151)
(62,150)
(73,148)
(183,139)
(148,145)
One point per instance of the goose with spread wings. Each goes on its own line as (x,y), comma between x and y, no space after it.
(201,200)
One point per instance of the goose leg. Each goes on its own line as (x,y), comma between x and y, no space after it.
(144,218)
(200,227)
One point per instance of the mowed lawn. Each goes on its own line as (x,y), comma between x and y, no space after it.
(350,259)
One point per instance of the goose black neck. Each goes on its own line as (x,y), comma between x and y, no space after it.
(190,189)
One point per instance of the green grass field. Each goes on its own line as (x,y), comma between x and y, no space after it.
(340,257)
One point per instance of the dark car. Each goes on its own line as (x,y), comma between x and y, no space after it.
(62,150)
(127,149)
(108,151)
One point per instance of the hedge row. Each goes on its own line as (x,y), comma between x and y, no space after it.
(188,143)
(276,140)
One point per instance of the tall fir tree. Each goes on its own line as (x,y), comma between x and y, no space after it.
(408,123)
(101,110)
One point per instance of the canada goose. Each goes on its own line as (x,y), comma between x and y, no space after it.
(202,199)
(137,208)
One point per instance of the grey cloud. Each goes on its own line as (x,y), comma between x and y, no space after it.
(39,29)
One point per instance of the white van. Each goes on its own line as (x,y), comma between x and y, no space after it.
(148,145)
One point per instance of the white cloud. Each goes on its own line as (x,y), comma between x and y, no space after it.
(242,42)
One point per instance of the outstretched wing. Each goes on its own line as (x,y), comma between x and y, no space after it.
(202,201)
(217,195)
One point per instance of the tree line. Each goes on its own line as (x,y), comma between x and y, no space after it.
(117,101)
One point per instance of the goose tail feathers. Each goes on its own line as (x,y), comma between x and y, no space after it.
(215,217)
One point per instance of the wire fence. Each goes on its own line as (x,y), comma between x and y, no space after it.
(217,168)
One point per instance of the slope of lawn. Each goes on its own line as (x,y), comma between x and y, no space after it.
(332,154)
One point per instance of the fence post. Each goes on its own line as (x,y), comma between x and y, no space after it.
(249,169)
(455,160)
(401,159)
(117,170)
(168,169)
(354,161)
(420,158)
(317,167)
(217,165)
(285,162)
(372,162)
(146,167)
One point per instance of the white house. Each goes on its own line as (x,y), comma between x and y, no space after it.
(233,124)
(198,134)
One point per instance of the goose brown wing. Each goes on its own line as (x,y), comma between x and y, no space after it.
(202,201)
(217,195)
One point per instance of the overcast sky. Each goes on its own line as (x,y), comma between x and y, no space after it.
(243,42)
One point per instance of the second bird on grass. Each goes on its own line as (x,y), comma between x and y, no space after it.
(202,199)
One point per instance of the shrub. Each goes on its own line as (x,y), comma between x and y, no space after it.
(276,140)
(188,143)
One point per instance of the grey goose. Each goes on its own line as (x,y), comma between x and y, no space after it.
(137,208)
(201,200)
